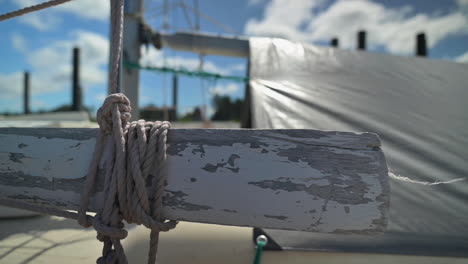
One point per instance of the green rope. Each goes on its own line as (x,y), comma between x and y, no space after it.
(182,71)
(260,244)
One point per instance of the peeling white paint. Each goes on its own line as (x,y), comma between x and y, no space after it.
(45,157)
(267,179)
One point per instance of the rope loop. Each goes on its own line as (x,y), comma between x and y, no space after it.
(132,158)
(118,104)
(108,231)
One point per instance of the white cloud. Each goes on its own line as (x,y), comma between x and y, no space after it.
(18,42)
(54,60)
(240,67)
(284,18)
(11,84)
(51,64)
(89,9)
(40,21)
(463,6)
(391,28)
(462,58)
(462,2)
(227,89)
(254,2)
(50,18)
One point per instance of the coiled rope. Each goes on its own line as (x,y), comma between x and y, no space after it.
(134,183)
(132,156)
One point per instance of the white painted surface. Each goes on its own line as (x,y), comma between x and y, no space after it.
(80,116)
(285,179)
(55,119)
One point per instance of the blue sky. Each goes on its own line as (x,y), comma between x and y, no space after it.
(41,42)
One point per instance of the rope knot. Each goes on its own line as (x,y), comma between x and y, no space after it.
(103,230)
(133,157)
(114,106)
(163,226)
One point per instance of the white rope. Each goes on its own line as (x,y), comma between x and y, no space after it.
(131,151)
(406,179)
(134,158)
(116,20)
(30,9)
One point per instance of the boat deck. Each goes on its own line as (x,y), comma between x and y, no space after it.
(47,239)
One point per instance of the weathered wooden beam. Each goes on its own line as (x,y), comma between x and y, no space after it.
(286,179)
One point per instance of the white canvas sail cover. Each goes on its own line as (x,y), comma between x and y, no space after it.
(417,106)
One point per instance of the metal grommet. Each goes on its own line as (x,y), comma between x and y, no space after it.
(262,239)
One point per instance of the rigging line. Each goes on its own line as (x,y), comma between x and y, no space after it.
(197,16)
(200,66)
(197,28)
(161,7)
(164,86)
(175,19)
(212,20)
(166,17)
(166,26)
(186,15)
(30,9)
(116,19)
(156,12)
(200,55)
